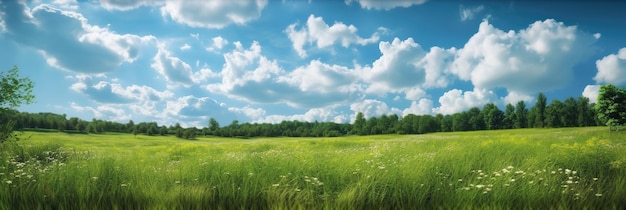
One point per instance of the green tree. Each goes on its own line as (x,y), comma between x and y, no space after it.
(509,117)
(521,114)
(359,124)
(14,91)
(611,106)
(492,116)
(540,115)
(213,125)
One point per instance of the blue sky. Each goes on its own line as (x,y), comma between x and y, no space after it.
(319,60)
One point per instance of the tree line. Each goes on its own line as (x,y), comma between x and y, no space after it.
(572,112)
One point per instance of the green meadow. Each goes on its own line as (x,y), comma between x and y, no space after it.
(569,168)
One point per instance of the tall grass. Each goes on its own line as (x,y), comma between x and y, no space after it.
(529,168)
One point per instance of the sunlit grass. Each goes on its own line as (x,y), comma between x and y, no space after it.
(533,168)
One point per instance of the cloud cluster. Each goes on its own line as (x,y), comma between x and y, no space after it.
(317,31)
(386,5)
(176,71)
(201,14)
(612,68)
(68,41)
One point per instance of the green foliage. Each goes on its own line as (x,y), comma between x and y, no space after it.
(14,91)
(567,168)
(611,106)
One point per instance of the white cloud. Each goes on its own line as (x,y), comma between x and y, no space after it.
(249,76)
(68,41)
(197,111)
(325,114)
(423,107)
(404,67)
(249,112)
(372,108)
(612,68)
(66,4)
(185,47)
(218,44)
(176,71)
(104,112)
(317,31)
(213,14)
(468,13)
(591,92)
(107,92)
(386,5)
(538,58)
(514,97)
(456,100)
(125,5)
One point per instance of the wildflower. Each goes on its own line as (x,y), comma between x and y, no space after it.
(512,180)
(381,167)
(595,179)
(567,171)
(94,178)
(9,182)
(460,180)
(466,188)
(531,182)
(275,185)
(553,172)
(480,186)
(298,190)
(497,174)
(569,182)
(598,194)
(124,185)
(177,182)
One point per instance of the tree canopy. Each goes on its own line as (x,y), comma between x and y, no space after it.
(611,106)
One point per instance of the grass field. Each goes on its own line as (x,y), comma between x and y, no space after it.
(527,168)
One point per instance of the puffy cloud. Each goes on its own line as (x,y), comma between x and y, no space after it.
(218,44)
(104,112)
(538,58)
(386,5)
(177,71)
(592,92)
(421,107)
(249,112)
(213,14)
(106,92)
(372,108)
(405,67)
(249,76)
(128,4)
(196,111)
(316,114)
(317,31)
(514,97)
(612,68)
(467,13)
(456,100)
(185,47)
(67,41)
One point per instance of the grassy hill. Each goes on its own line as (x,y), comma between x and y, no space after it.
(524,168)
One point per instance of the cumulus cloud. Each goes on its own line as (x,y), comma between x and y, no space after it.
(326,114)
(404,67)
(538,58)
(104,112)
(456,100)
(372,108)
(612,68)
(107,92)
(177,71)
(218,44)
(592,92)
(514,97)
(213,14)
(468,13)
(247,75)
(421,107)
(197,110)
(319,32)
(125,5)
(68,41)
(386,5)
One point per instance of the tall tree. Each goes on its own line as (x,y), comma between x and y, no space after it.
(611,106)
(14,91)
(541,110)
(359,124)
(521,114)
(213,125)
(509,117)
(554,114)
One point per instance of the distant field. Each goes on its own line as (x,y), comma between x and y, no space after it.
(526,168)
